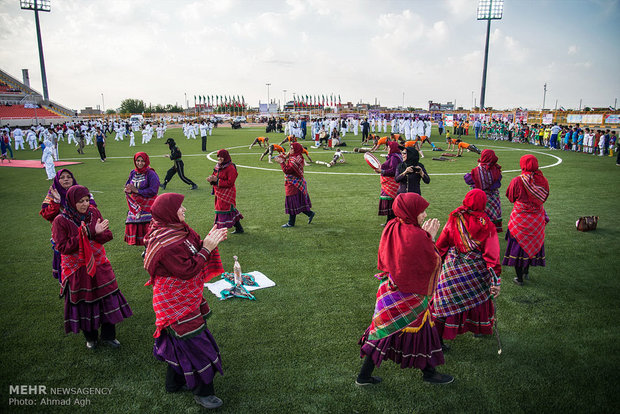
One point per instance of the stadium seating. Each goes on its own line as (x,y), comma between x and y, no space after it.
(18,111)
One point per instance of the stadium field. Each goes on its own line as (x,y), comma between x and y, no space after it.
(295,348)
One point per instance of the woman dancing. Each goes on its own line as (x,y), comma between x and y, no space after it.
(140,191)
(487,176)
(179,264)
(88,283)
(295,188)
(526,227)
(402,327)
(223,182)
(389,186)
(470,272)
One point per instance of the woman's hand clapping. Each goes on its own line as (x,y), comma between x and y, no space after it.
(214,237)
(432,227)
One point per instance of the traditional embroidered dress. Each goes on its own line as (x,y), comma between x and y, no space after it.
(50,209)
(389,186)
(297,199)
(526,227)
(146,180)
(88,283)
(469,242)
(487,176)
(179,265)
(402,327)
(225,191)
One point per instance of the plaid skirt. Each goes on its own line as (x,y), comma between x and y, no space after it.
(297,203)
(516,256)
(478,320)
(196,358)
(135,232)
(227,219)
(464,283)
(494,209)
(402,330)
(385,206)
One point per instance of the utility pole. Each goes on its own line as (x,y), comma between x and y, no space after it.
(544,95)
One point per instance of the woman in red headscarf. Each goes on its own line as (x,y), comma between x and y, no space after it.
(487,176)
(470,271)
(88,283)
(295,188)
(402,327)
(179,263)
(389,186)
(223,182)
(526,227)
(141,191)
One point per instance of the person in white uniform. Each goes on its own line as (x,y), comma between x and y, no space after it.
(18,137)
(48,157)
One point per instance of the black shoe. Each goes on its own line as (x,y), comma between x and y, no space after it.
(143,254)
(438,378)
(478,335)
(311,216)
(194,187)
(112,343)
(517,281)
(362,382)
(287,225)
(91,344)
(445,347)
(163,185)
(240,231)
(209,402)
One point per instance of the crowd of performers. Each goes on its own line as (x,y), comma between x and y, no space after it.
(443,290)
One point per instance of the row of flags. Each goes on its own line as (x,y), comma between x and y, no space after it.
(230,101)
(316,100)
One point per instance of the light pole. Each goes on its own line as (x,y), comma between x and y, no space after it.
(37,6)
(268,85)
(403,100)
(488,10)
(472,99)
(544,95)
(102,103)
(284,100)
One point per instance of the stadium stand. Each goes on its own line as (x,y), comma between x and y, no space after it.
(17,100)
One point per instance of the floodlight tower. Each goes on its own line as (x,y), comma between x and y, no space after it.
(488,10)
(37,6)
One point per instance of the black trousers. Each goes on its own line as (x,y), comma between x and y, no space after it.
(108,332)
(204,143)
(364,135)
(101,149)
(179,168)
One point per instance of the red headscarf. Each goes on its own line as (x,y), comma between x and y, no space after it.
(406,251)
(166,228)
(488,161)
(476,222)
(297,148)
(226,160)
(225,155)
(393,147)
(74,194)
(147,162)
(534,181)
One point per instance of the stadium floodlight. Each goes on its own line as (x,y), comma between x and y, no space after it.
(488,10)
(37,6)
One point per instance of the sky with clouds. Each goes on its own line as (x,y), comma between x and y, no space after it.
(160,50)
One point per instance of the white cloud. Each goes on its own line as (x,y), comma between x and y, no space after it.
(572,50)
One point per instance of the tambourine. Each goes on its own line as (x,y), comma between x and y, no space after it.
(372,161)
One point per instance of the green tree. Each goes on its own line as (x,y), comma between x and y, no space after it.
(132,106)
(110,112)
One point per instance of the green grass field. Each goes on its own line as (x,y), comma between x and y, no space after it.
(295,348)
